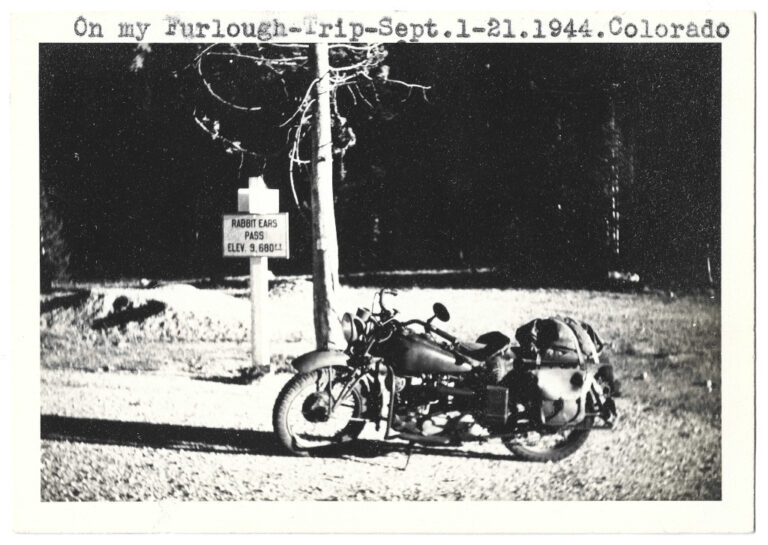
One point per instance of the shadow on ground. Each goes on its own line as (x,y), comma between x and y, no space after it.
(134,314)
(166,436)
(220,440)
(64,301)
(241,283)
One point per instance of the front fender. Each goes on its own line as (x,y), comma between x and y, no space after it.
(318,359)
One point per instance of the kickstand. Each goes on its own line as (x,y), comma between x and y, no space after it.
(408,450)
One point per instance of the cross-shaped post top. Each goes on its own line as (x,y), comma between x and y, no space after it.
(258,198)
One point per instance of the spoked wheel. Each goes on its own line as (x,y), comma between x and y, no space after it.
(549,447)
(305,419)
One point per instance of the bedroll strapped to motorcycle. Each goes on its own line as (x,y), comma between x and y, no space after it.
(560,341)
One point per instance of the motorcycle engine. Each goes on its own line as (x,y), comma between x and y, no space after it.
(427,407)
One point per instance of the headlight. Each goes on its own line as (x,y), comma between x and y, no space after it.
(348,327)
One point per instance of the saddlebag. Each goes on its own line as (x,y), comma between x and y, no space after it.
(563,395)
(561,349)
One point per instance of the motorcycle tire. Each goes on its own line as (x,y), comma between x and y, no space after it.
(296,387)
(570,444)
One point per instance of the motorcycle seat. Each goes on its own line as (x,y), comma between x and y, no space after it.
(487,345)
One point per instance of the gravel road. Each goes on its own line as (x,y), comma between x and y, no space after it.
(151,436)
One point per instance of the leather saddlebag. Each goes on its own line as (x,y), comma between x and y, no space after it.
(563,395)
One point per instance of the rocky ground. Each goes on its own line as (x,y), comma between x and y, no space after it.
(132,412)
(129,437)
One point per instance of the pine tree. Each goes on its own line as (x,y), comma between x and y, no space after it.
(54,253)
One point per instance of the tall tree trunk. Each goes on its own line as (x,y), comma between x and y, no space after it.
(325,251)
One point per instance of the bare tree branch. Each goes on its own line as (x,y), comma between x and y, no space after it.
(215,95)
(232,145)
(358,68)
(267,61)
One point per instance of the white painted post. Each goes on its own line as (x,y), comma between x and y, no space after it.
(258,199)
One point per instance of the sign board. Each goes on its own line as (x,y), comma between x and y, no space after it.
(256,235)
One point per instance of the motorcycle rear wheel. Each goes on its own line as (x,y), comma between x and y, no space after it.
(548,448)
(300,405)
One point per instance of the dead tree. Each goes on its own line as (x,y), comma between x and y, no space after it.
(355,69)
(325,248)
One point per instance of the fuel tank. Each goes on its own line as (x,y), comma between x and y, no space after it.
(413,354)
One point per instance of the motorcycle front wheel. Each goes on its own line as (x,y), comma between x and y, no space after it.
(302,416)
(549,447)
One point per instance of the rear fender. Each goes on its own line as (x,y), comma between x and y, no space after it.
(318,359)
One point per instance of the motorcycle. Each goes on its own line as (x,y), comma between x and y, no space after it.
(427,387)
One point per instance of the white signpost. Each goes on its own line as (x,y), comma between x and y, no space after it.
(258,232)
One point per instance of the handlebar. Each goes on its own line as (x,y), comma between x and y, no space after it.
(447,336)
(432,329)
(426,325)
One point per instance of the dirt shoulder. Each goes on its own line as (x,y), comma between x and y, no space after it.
(122,436)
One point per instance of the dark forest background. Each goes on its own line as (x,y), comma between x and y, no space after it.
(510,163)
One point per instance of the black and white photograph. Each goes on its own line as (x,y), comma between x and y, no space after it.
(375,266)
